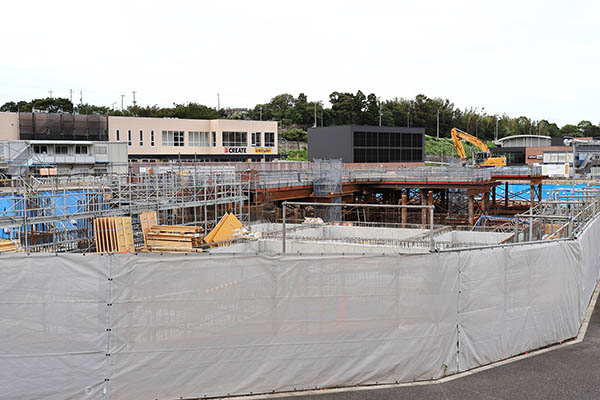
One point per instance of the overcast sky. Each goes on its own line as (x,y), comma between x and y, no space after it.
(535,58)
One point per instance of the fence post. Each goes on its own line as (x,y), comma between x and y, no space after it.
(283,228)
(431,241)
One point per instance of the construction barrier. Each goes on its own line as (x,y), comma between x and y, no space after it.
(132,326)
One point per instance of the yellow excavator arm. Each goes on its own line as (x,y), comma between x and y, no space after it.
(457,135)
(484,157)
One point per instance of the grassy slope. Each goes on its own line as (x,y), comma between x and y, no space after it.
(445,146)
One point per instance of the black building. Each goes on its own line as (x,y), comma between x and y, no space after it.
(366,144)
(61,126)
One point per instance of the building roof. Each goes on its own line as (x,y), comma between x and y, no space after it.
(523,137)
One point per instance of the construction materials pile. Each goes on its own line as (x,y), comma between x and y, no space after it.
(169,238)
(113,235)
(8,246)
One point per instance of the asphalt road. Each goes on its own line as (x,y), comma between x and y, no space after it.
(570,372)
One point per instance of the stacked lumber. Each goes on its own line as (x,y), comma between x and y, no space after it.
(173,238)
(169,238)
(113,234)
(8,246)
(223,233)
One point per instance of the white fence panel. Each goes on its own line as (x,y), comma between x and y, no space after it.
(588,242)
(218,325)
(517,299)
(53,326)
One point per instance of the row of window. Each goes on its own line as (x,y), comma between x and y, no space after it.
(203,139)
(130,139)
(240,139)
(387,139)
(60,149)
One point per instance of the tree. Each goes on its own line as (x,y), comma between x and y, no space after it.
(588,129)
(570,130)
(10,106)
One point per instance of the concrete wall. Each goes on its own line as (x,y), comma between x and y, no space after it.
(473,237)
(9,126)
(147,125)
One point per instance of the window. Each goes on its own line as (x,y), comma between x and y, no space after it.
(100,149)
(60,149)
(141,137)
(387,147)
(40,149)
(118,135)
(201,139)
(235,139)
(256,139)
(214,139)
(172,138)
(129,137)
(152,138)
(81,149)
(269,139)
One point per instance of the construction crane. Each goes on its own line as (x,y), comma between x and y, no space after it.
(482,158)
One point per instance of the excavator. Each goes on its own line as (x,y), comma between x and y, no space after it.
(482,158)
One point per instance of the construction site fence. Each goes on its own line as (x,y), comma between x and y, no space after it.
(165,326)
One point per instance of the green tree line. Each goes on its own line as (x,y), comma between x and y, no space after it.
(297,114)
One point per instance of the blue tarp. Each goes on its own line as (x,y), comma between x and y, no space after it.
(70,202)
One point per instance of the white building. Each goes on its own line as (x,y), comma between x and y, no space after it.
(152,138)
(215,140)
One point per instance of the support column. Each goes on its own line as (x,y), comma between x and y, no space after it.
(429,203)
(485,200)
(494,196)
(470,207)
(540,192)
(404,210)
(506,194)
(423,210)
(532,195)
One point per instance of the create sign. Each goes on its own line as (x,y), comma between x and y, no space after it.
(236,150)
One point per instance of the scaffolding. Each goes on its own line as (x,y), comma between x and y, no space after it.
(56,213)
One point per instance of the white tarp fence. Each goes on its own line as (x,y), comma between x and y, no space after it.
(168,326)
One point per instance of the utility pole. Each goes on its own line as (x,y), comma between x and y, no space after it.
(80,97)
(134,103)
(50,92)
(122,96)
(322,110)
(315,124)
(496,132)
(71,95)
(379,112)
(438,124)
(219,102)
(260,112)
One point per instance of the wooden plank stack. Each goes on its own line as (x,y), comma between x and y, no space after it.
(113,235)
(169,238)
(8,246)
(174,237)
